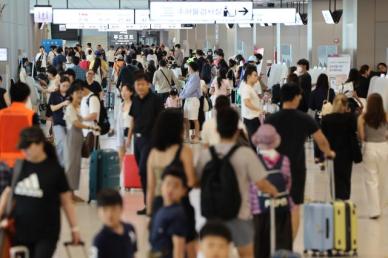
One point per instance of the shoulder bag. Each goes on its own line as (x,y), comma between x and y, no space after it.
(327,107)
(172,83)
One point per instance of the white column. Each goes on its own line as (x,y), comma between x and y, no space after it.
(254,35)
(278,42)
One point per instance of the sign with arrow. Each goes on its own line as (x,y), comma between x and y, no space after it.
(201,12)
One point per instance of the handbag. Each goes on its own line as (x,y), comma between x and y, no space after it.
(7,233)
(172,83)
(87,145)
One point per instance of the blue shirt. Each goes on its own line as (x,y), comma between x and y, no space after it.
(108,244)
(168,222)
(79,73)
(59,60)
(192,88)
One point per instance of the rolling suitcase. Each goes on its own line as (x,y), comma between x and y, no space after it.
(319,225)
(109,100)
(131,173)
(345,227)
(104,172)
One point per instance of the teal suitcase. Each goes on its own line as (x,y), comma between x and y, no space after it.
(104,172)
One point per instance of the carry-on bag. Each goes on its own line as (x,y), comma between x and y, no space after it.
(104,171)
(278,253)
(131,173)
(109,100)
(81,245)
(345,227)
(319,225)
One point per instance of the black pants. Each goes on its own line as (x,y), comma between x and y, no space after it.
(43,248)
(262,238)
(142,150)
(163,96)
(343,165)
(252,125)
(318,154)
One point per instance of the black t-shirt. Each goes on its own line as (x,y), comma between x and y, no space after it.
(55,99)
(168,222)
(108,243)
(145,112)
(2,100)
(37,201)
(95,87)
(305,84)
(293,127)
(363,87)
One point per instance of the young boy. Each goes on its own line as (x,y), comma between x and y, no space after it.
(215,240)
(116,238)
(169,225)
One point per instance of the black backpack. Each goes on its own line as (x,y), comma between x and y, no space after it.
(220,192)
(103,123)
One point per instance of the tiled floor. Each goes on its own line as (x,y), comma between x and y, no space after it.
(373,235)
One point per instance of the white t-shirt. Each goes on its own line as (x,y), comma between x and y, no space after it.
(248,92)
(71,115)
(110,57)
(209,133)
(93,107)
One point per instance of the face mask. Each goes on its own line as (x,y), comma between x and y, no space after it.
(186,66)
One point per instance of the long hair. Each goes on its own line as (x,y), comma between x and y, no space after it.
(340,103)
(96,65)
(168,129)
(221,76)
(323,82)
(375,114)
(354,76)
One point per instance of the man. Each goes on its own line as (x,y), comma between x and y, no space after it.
(90,111)
(304,83)
(248,170)
(294,126)
(94,86)
(57,104)
(250,101)
(79,72)
(89,48)
(59,59)
(101,52)
(13,120)
(145,109)
(178,54)
(363,85)
(110,57)
(191,94)
(200,59)
(127,74)
(41,60)
(382,69)
(163,80)
(51,55)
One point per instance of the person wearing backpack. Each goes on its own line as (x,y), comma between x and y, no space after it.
(226,171)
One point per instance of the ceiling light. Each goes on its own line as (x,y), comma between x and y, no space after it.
(332,17)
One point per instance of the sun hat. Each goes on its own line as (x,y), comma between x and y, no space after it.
(266,137)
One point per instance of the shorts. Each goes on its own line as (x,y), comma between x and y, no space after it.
(242,231)
(298,186)
(191,109)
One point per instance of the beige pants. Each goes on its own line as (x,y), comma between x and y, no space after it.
(375,161)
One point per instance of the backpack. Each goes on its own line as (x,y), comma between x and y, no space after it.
(206,73)
(220,193)
(103,121)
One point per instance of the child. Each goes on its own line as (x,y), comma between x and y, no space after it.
(169,225)
(215,240)
(116,238)
(173,100)
(278,166)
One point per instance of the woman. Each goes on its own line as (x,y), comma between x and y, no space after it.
(372,128)
(355,104)
(220,85)
(151,69)
(340,129)
(74,137)
(41,189)
(123,119)
(322,93)
(99,73)
(168,150)
(363,85)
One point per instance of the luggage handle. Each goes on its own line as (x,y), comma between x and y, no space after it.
(273,226)
(68,244)
(327,228)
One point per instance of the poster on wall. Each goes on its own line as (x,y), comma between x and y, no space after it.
(286,54)
(338,68)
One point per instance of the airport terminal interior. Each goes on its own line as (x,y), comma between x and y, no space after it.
(193,128)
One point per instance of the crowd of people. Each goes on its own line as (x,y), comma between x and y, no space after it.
(163,101)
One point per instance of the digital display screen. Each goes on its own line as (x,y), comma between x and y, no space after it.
(43,14)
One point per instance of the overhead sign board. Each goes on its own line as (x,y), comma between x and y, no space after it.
(93,16)
(201,12)
(142,17)
(274,15)
(43,14)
